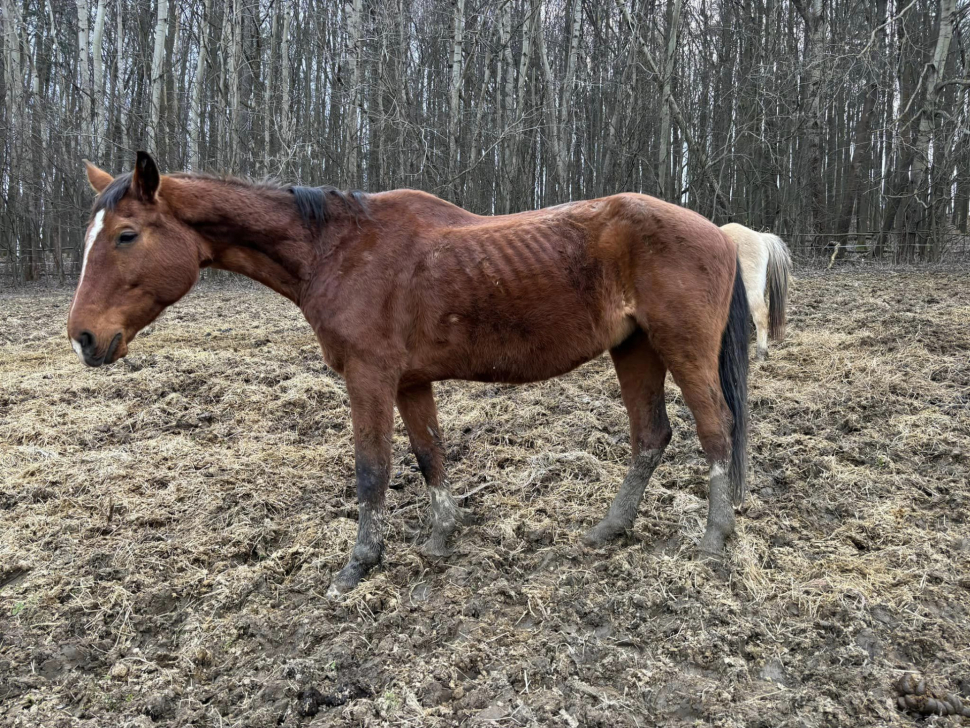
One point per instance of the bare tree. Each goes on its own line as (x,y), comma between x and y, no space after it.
(158,71)
(785,114)
(198,81)
(666,95)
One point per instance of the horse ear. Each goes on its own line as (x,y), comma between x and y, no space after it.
(97,178)
(146,179)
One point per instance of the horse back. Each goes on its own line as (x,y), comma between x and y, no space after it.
(527,296)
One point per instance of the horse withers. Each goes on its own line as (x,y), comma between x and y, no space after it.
(403,289)
(765,262)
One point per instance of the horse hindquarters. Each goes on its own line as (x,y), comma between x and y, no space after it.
(703,340)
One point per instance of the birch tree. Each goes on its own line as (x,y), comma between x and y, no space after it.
(822,120)
(454,96)
(158,71)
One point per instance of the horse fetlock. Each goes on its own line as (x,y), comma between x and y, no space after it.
(368,553)
(623,509)
(445,513)
(365,556)
(370,535)
(445,518)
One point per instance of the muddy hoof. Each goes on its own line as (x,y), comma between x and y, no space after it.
(761,355)
(712,545)
(716,562)
(347,579)
(435,548)
(604,532)
(712,558)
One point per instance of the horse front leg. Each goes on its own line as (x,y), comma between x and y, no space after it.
(371,394)
(417,408)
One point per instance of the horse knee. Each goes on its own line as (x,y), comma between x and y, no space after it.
(656,440)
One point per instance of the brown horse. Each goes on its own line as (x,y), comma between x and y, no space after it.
(403,289)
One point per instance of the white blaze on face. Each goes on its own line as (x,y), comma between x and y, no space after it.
(88,244)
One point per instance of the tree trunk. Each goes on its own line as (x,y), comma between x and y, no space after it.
(509,114)
(97,122)
(920,218)
(195,112)
(862,138)
(84,70)
(666,94)
(813,13)
(567,140)
(454,98)
(14,111)
(285,114)
(518,158)
(352,9)
(158,74)
(268,93)
(552,115)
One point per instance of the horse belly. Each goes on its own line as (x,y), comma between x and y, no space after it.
(532,346)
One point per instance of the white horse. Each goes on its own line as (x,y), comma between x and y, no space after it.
(765,261)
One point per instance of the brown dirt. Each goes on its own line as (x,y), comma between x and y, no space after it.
(168,527)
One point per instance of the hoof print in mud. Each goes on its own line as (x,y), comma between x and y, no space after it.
(160,705)
(917,696)
(310,701)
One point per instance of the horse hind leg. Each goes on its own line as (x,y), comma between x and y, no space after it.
(641,373)
(699,383)
(759,312)
(417,407)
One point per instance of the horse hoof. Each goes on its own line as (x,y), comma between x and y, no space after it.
(602,533)
(712,558)
(349,577)
(711,549)
(435,549)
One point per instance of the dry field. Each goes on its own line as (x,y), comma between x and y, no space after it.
(169,525)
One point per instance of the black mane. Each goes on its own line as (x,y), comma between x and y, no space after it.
(313,206)
(311,202)
(112,194)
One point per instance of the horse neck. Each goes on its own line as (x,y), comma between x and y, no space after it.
(257,232)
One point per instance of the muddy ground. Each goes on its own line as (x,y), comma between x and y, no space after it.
(169,525)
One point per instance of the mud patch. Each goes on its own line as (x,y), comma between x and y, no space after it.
(168,529)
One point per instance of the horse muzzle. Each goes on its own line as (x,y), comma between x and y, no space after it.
(87,348)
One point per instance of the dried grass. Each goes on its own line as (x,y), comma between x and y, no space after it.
(168,528)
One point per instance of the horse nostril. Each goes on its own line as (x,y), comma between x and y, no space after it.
(86,340)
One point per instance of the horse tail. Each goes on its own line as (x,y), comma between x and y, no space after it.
(779,273)
(733,370)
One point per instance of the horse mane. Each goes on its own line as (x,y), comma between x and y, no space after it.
(111,195)
(311,202)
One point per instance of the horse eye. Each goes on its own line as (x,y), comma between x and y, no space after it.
(127,237)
